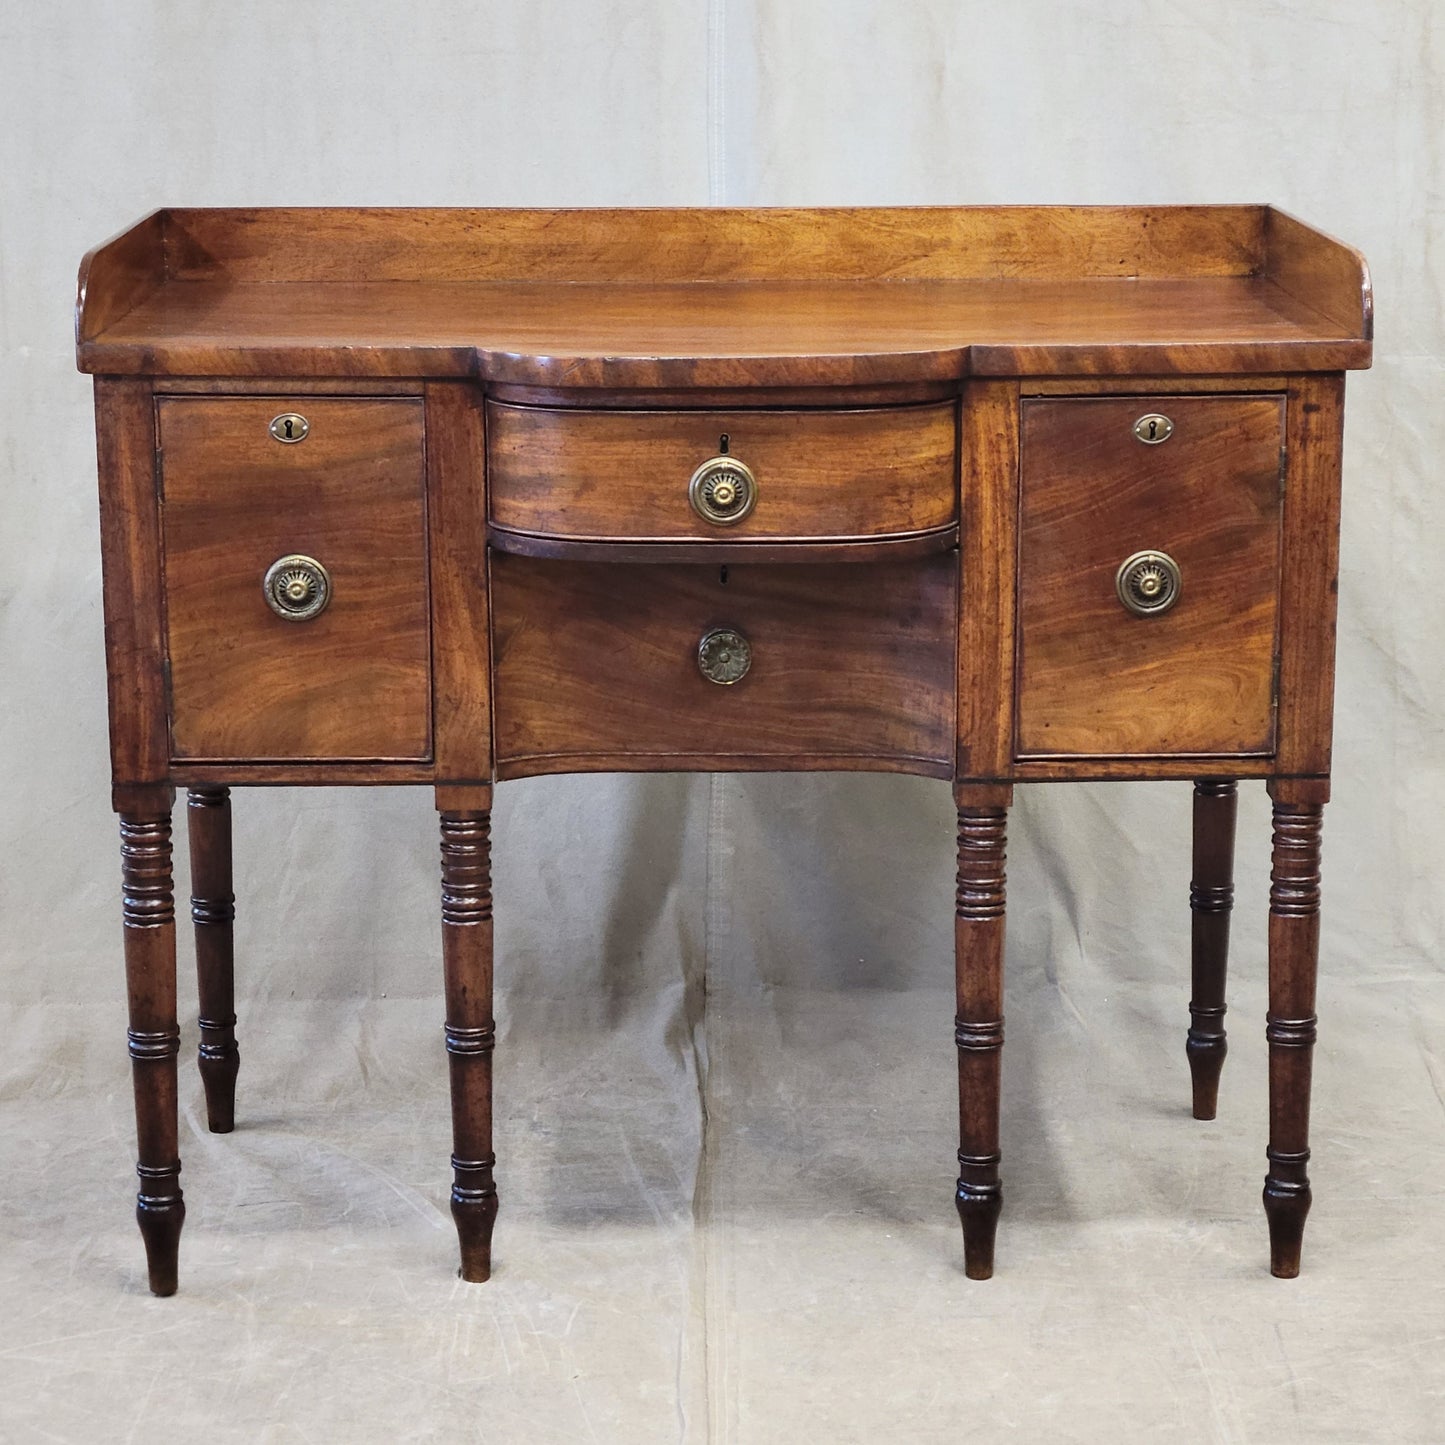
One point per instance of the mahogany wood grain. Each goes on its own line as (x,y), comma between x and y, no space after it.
(1093,678)
(148,908)
(662,244)
(461,630)
(1309,584)
(719,551)
(320,774)
(1231,383)
(978,1026)
(1294,941)
(596,663)
(655,398)
(130,539)
(727,297)
(1136,769)
(1320,272)
(285,388)
(471,1032)
(119,274)
(213,914)
(1211,901)
(623,475)
(989,490)
(724,336)
(352,683)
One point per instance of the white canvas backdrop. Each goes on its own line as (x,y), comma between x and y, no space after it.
(617,896)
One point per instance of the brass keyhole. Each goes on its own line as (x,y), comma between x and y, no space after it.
(1152,428)
(290,427)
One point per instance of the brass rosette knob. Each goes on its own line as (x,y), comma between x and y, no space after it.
(1148,583)
(297,588)
(724,656)
(723,490)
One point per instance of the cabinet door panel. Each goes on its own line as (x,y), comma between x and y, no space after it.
(350,683)
(1094,679)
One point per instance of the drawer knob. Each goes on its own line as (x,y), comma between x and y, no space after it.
(723,490)
(724,656)
(1148,583)
(297,588)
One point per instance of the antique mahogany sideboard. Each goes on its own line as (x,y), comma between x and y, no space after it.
(994,495)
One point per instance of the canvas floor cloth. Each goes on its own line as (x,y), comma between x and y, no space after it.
(727,1214)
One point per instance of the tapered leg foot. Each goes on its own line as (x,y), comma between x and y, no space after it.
(1294,938)
(213,913)
(1211,901)
(148,906)
(980,1202)
(161,1211)
(978,1027)
(474,1209)
(470,1031)
(1287,1202)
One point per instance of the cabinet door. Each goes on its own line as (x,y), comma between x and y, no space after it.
(1096,679)
(351,682)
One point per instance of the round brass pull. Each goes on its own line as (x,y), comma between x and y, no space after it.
(297,588)
(723,490)
(724,656)
(1148,583)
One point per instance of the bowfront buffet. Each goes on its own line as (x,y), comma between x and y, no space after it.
(450,497)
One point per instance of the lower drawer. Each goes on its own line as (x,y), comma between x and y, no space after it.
(600,666)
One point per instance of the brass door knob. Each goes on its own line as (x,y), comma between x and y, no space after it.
(724,656)
(297,588)
(723,490)
(1148,583)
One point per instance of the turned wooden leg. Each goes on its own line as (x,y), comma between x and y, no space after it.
(148,905)
(1294,940)
(213,912)
(470,1030)
(979,936)
(1211,900)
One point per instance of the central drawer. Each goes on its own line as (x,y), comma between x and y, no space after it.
(604,666)
(775,475)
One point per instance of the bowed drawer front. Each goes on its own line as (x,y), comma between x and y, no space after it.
(1197,676)
(808,475)
(248,681)
(601,666)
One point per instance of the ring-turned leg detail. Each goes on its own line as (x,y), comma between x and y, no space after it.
(213,913)
(1211,901)
(1294,936)
(148,907)
(470,1030)
(978,939)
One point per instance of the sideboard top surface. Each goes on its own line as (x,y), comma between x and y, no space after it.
(722,297)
